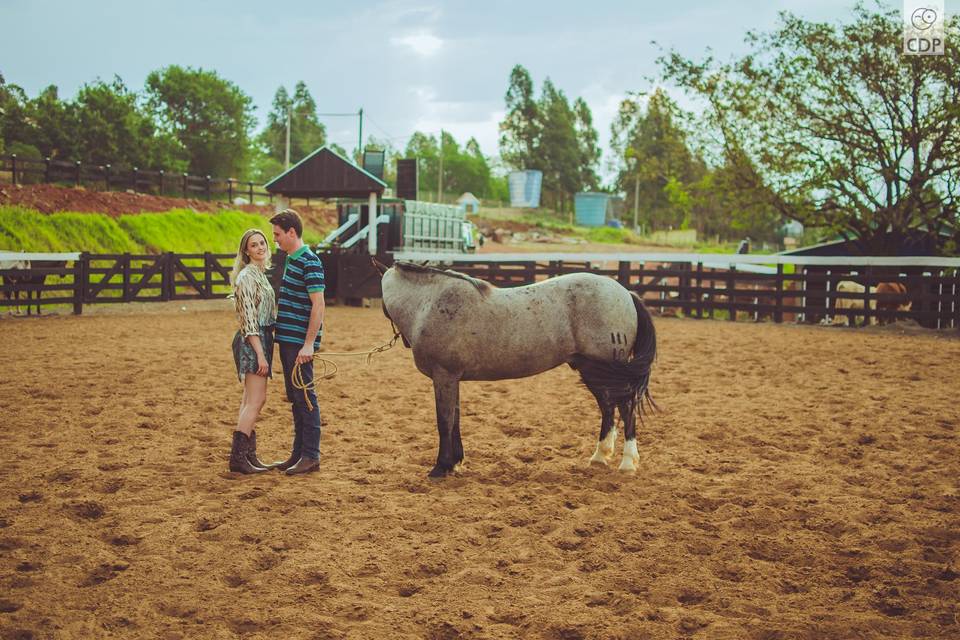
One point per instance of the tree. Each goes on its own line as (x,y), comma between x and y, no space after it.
(550,135)
(53,127)
(712,206)
(589,149)
(520,130)
(112,128)
(426,149)
(832,126)
(465,169)
(654,151)
(559,151)
(307,133)
(209,116)
(15,130)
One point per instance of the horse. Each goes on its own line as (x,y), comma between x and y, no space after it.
(28,276)
(461,328)
(891,296)
(22,275)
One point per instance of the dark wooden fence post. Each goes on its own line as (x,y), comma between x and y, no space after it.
(13,159)
(208,188)
(183,184)
(956,299)
(623,274)
(778,312)
(76,177)
(80,271)
(106,177)
(133,178)
(161,182)
(867,273)
(166,284)
(731,292)
(230,190)
(250,185)
(708,295)
(46,170)
(698,294)
(207,275)
(126,278)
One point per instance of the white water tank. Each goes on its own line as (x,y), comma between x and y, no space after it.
(525,188)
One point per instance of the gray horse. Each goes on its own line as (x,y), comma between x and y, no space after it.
(462,328)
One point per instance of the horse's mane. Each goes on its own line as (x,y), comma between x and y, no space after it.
(485,288)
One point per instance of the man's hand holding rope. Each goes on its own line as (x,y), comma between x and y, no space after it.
(330,368)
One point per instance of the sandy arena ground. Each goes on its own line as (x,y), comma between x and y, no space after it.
(800,482)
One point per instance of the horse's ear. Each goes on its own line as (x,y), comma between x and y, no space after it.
(379,266)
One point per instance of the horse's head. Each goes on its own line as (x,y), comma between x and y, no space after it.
(379,266)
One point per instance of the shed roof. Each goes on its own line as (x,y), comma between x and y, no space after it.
(468,197)
(914,243)
(325,174)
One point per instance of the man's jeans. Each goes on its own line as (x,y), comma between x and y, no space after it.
(306,422)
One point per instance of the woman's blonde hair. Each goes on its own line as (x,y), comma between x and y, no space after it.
(243,259)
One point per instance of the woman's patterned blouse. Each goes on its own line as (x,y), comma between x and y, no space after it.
(255,302)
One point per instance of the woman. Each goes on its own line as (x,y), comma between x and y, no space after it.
(252,345)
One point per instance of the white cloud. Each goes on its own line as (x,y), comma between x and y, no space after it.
(462,119)
(423,44)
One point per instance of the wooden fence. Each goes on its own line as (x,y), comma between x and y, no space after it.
(792,289)
(730,287)
(116,278)
(116,178)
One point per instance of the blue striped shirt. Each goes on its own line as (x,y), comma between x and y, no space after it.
(302,275)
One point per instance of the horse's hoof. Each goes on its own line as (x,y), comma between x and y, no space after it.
(599,461)
(627,469)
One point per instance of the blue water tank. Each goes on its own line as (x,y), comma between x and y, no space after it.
(591,208)
(525,188)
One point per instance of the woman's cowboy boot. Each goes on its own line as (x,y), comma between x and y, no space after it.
(252,453)
(238,454)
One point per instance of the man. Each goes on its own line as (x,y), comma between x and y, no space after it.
(299,326)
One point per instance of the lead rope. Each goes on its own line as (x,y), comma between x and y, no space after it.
(330,368)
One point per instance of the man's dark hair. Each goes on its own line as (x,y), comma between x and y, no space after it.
(288,219)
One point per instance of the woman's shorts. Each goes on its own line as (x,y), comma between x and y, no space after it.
(246,358)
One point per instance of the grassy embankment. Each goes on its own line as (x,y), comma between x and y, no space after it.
(178,230)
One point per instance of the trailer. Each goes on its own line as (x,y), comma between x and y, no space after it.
(398,226)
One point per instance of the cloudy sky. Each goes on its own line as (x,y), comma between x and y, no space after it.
(410,64)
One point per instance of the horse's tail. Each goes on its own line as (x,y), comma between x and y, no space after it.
(625,381)
(644,353)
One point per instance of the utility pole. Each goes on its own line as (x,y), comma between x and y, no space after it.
(636,201)
(440,171)
(286,161)
(360,141)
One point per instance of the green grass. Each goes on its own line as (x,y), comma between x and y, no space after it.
(179,231)
(27,230)
(185,231)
